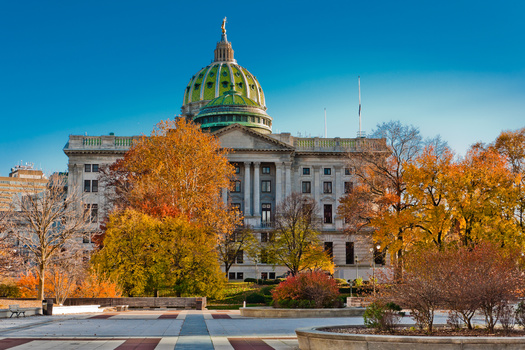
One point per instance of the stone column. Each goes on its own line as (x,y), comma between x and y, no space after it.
(278,183)
(256,189)
(247,188)
(225,195)
(338,185)
(288,178)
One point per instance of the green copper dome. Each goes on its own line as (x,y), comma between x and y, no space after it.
(231,108)
(217,78)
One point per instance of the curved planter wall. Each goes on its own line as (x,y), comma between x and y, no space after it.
(270,312)
(313,339)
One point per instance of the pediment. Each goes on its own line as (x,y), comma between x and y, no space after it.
(238,137)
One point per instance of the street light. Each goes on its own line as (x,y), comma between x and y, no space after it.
(374,267)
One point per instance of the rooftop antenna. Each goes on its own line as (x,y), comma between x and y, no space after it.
(325,130)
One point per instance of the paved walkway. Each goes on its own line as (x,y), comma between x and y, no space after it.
(160,330)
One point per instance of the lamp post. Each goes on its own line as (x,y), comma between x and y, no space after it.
(374,267)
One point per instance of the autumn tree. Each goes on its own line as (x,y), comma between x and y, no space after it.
(428,184)
(46,223)
(379,199)
(177,171)
(234,239)
(511,144)
(295,241)
(147,254)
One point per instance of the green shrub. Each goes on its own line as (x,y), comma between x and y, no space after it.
(251,280)
(255,298)
(382,315)
(267,290)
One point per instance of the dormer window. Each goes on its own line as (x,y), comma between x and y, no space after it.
(224,84)
(209,84)
(196,86)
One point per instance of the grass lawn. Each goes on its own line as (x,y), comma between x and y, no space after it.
(234,295)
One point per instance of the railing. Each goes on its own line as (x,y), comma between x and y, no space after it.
(338,145)
(93,141)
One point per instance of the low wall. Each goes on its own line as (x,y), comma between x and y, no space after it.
(270,312)
(30,311)
(179,303)
(315,339)
(77,309)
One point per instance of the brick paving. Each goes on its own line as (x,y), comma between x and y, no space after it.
(157,329)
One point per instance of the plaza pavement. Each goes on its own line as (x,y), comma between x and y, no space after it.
(160,330)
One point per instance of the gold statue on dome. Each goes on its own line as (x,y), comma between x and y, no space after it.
(224,26)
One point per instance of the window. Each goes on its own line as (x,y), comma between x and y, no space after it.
(87,168)
(91,212)
(240,275)
(307,187)
(265,169)
(264,275)
(329,248)
(236,207)
(264,237)
(379,256)
(349,186)
(240,257)
(348,171)
(86,238)
(236,186)
(328,171)
(350,253)
(271,275)
(327,187)
(328,213)
(95,168)
(237,169)
(90,185)
(266,186)
(231,275)
(266,212)
(306,171)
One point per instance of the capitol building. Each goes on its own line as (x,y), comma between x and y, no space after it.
(227,100)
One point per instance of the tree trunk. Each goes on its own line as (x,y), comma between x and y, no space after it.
(41,280)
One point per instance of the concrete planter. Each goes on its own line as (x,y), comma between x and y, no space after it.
(270,312)
(315,339)
(77,309)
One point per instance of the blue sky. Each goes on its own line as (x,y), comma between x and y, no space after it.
(454,68)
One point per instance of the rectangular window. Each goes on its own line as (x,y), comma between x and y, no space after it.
(307,187)
(94,212)
(95,168)
(87,168)
(264,237)
(94,185)
(240,257)
(328,171)
(237,208)
(237,169)
(266,186)
(328,213)
(236,186)
(265,169)
(86,239)
(271,275)
(327,187)
(87,185)
(266,216)
(350,253)
(306,171)
(264,275)
(349,186)
(91,212)
(240,275)
(348,171)
(329,248)
(231,275)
